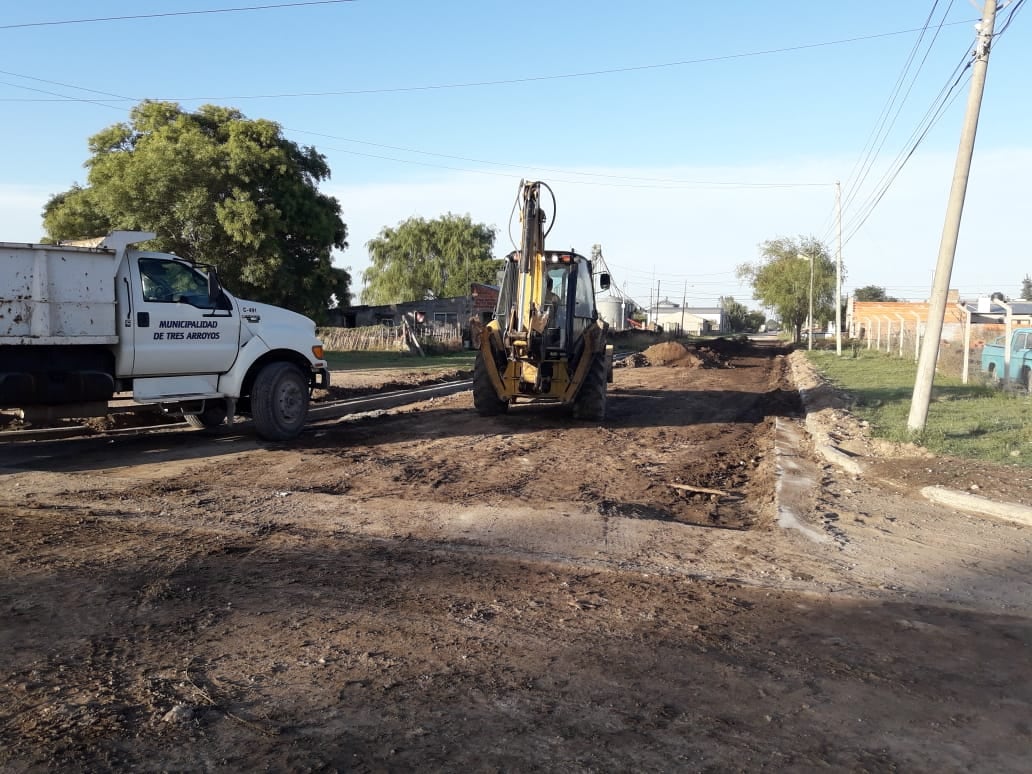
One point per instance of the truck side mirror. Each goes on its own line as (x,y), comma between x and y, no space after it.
(603,281)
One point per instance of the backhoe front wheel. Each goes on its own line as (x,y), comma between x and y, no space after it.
(590,402)
(485,397)
(279,401)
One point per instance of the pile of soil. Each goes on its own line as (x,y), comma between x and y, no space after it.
(674,354)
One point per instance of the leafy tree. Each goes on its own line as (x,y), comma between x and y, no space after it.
(736,313)
(739,318)
(781,279)
(1026,288)
(429,259)
(754,321)
(872,293)
(217,188)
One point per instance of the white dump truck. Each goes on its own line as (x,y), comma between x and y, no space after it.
(80,324)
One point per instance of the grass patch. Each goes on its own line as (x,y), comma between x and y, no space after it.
(373,361)
(964,420)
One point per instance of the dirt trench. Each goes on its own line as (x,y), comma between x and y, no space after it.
(427,588)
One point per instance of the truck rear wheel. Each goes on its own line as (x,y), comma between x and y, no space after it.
(214,414)
(590,402)
(279,401)
(485,397)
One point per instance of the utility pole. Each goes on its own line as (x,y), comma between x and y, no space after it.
(838,272)
(809,319)
(657,300)
(951,228)
(684,301)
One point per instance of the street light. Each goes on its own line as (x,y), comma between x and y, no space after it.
(809,318)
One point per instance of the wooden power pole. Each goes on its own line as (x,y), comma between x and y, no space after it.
(951,228)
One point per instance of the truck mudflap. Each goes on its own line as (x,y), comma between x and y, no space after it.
(321,379)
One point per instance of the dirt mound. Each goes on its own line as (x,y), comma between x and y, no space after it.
(672,353)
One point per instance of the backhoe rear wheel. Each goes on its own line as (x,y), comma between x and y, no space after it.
(590,402)
(485,397)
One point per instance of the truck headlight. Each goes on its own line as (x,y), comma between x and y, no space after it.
(317,350)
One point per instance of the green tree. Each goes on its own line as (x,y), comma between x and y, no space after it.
(421,259)
(754,321)
(216,188)
(1026,288)
(872,293)
(736,314)
(781,279)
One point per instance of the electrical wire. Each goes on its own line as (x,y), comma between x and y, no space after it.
(861,167)
(886,125)
(890,177)
(167,14)
(550,77)
(942,102)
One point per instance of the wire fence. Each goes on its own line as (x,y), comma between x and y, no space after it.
(905,340)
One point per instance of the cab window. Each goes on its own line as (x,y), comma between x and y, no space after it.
(585,303)
(172,282)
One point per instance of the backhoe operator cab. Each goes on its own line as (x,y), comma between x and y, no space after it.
(567,308)
(546,342)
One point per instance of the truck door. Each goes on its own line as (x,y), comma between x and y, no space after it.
(177,329)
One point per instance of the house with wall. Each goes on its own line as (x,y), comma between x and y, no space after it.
(673,317)
(714,315)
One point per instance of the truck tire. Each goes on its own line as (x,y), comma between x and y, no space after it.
(279,401)
(1025,377)
(485,397)
(590,402)
(214,414)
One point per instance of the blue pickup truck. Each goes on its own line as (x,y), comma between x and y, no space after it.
(1020,373)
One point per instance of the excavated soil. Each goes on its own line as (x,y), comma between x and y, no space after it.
(424,588)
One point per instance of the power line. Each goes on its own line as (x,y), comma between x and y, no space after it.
(940,103)
(78,99)
(885,126)
(167,14)
(661,183)
(943,100)
(670,181)
(890,177)
(539,78)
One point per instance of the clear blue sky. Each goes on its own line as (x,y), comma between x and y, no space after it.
(654,122)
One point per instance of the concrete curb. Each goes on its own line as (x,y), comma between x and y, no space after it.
(962,501)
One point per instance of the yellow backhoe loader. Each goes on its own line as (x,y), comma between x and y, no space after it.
(546,342)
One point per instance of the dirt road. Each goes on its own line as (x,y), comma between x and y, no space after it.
(429,589)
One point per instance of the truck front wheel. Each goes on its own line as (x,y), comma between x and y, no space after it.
(279,401)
